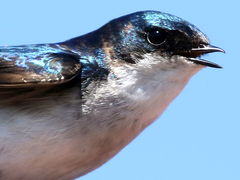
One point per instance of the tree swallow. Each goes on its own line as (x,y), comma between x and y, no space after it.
(66,108)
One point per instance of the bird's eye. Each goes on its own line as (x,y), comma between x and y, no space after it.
(156,37)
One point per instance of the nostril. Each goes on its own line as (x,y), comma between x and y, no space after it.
(202,45)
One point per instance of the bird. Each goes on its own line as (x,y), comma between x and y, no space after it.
(67,108)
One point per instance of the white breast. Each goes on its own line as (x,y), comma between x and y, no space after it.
(144,90)
(47,146)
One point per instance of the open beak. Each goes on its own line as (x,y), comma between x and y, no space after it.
(194,53)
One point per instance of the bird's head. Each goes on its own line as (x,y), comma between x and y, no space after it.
(133,37)
(146,58)
(144,49)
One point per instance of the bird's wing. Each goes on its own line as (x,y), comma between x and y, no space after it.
(34,65)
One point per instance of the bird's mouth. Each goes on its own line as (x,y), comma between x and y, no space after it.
(195,53)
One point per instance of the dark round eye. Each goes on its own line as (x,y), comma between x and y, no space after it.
(156,37)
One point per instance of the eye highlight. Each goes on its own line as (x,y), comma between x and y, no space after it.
(156,37)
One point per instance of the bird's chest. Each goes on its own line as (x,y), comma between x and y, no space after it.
(120,113)
(68,140)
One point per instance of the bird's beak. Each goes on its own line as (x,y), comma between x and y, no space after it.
(205,49)
(194,53)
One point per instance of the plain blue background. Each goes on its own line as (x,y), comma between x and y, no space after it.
(197,138)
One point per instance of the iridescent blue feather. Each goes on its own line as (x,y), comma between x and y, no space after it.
(28,64)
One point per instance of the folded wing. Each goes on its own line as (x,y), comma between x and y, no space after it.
(33,65)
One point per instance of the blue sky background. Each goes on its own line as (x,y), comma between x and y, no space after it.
(198,136)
